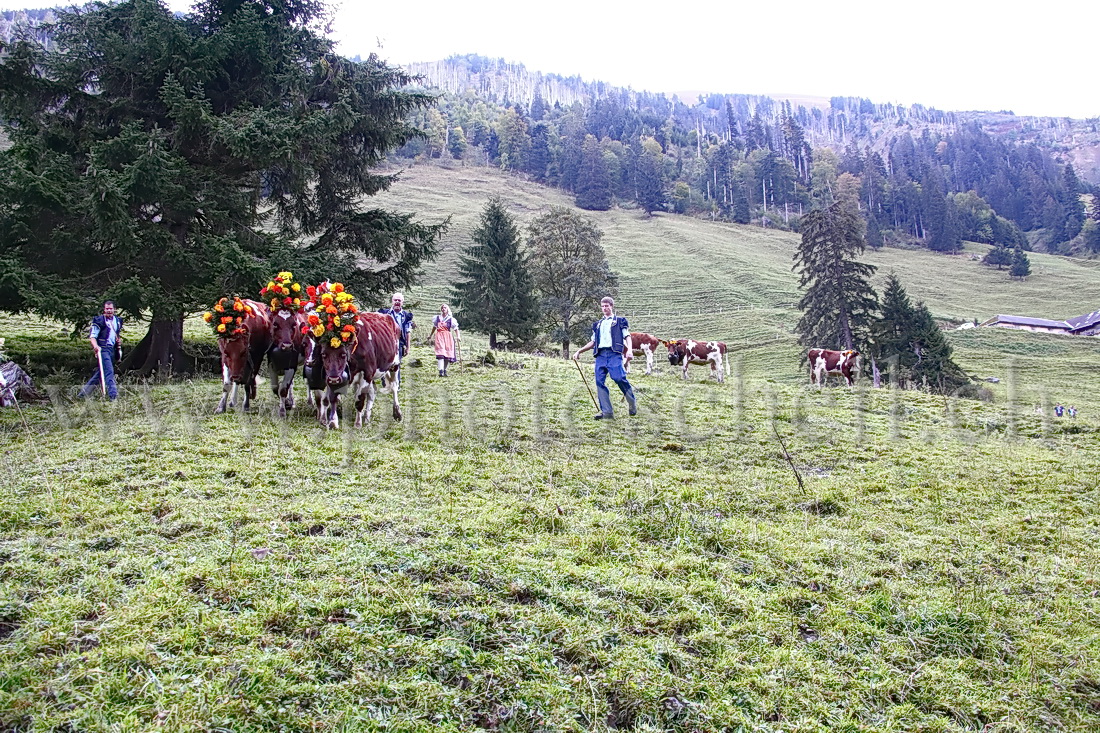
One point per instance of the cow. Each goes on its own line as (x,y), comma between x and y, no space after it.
(373,353)
(641,343)
(826,362)
(287,353)
(242,353)
(687,351)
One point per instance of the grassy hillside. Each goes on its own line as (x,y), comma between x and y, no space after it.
(689,277)
(753,556)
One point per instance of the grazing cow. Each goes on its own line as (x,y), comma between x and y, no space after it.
(686,351)
(242,353)
(826,362)
(642,343)
(354,366)
(288,352)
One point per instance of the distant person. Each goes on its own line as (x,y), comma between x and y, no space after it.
(446,337)
(1072,411)
(1058,410)
(403,318)
(106,345)
(610,339)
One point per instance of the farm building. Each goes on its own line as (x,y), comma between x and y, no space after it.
(1086,325)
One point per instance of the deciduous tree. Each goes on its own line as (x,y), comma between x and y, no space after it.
(570,271)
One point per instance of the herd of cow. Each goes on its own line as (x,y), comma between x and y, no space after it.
(373,353)
(682,352)
(352,367)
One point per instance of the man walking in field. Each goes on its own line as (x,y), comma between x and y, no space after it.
(610,340)
(104,338)
(403,318)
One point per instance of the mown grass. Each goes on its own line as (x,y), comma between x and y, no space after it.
(499,561)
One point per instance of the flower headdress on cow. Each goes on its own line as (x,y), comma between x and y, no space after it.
(283,293)
(332,319)
(227,317)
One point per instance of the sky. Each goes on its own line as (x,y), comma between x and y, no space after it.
(948,54)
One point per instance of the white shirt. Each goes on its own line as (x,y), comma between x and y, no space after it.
(605,333)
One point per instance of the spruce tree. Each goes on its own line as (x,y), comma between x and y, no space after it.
(839,303)
(166,160)
(932,365)
(999,257)
(890,331)
(649,182)
(593,179)
(908,336)
(495,292)
(1021,265)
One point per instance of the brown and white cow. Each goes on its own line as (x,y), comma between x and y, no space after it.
(826,362)
(642,344)
(354,366)
(687,351)
(288,352)
(242,354)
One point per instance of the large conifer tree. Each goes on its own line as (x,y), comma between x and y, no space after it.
(839,303)
(495,294)
(165,160)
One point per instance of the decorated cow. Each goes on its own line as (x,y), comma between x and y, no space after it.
(243,330)
(289,341)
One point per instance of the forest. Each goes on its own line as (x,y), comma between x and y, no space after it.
(924,176)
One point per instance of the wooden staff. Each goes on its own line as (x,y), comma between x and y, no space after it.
(585,380)
(102,376)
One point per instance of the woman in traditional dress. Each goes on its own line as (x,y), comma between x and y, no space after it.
(447,338)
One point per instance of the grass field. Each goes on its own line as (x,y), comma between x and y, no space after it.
(753,556)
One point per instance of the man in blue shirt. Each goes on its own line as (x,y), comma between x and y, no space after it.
(403,318)
(610,339)
(104,337)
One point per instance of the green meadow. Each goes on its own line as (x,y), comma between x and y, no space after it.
(758,555)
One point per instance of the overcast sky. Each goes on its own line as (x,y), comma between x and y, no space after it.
(949,54)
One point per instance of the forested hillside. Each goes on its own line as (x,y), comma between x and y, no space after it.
(923,175)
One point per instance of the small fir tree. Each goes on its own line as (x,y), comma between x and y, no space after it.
(999,257)
(495,292)
(1021,265)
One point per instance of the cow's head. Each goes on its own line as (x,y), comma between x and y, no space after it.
(677,350)
(286,331)
(236,355)
(334,363)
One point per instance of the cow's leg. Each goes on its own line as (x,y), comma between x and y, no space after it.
(719,369)
(396,407)
(286,392)
(364,401)
(330,412)
(226,384)
(684,369)
(648,359)
(274,378)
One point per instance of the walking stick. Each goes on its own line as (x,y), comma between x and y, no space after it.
(585,380)
(102,376)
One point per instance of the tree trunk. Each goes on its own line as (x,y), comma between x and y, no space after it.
(565,349)
(492,341)
(161,350)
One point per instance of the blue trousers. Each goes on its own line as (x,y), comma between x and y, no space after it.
(610,364)
(93,384)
